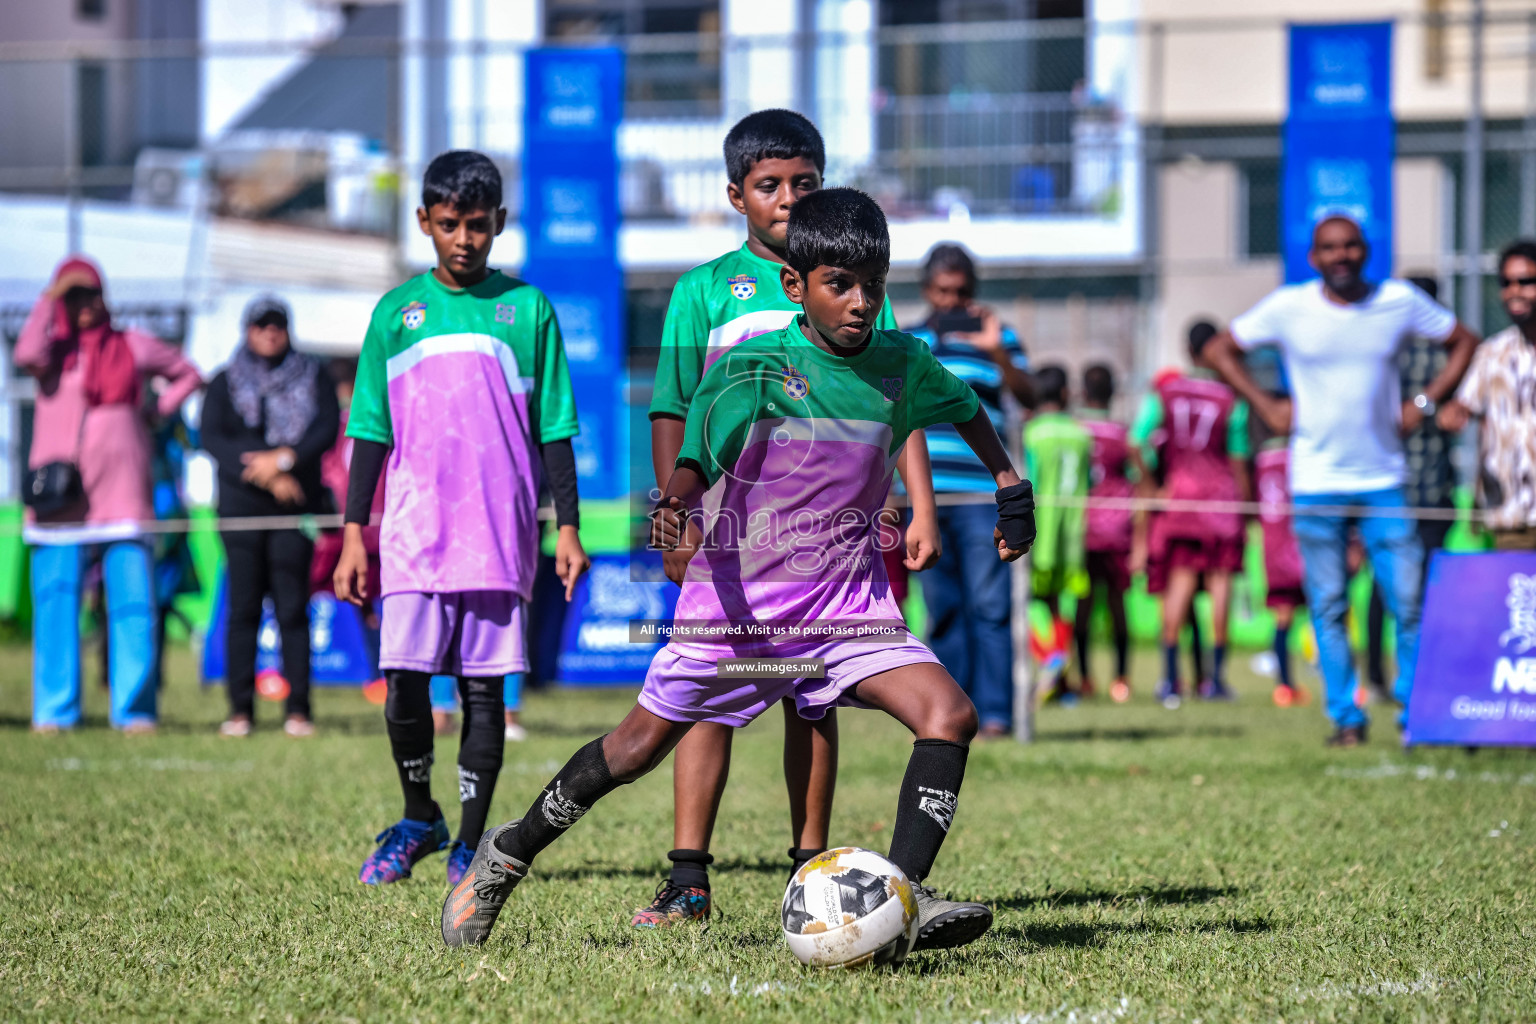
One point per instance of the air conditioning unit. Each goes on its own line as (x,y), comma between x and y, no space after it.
(168,178)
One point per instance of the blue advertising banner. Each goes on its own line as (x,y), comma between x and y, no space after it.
(1339,140)
(1475,682)
(571,217)
(595,647)
(338,650)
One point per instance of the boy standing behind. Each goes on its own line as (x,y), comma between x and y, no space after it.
(773,158)
(463,372)
(1109,529)
(1057,451)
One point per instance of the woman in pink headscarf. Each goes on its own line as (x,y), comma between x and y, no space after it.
(88,491)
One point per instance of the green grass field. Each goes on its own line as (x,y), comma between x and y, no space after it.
(1212,864)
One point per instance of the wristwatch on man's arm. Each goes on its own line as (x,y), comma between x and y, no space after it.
(1425,405)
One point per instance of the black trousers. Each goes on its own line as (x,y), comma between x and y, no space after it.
(263,562)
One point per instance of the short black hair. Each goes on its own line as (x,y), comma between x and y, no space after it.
(1525,248)
(1426,284)
(1051,385)
(771,135)
(948,258)
(1099,383)
(462,178)
(1200,332)
(836,227)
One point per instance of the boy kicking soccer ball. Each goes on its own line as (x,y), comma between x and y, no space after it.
(464,373)
(804,425)
(772,159)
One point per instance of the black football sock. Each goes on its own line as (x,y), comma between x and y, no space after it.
(1283,654)
(929,793)
(690,868)
(1219,663)
(408,716)
(481,742)
(1171,663)
(583,781)
(1122,636)
(800,854)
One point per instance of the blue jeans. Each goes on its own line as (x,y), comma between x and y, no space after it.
(445,692)
(970,601)
(131,620)
(1397,560)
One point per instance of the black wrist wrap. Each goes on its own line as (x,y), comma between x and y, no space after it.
(1016,515)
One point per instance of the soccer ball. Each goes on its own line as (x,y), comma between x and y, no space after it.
(850,908)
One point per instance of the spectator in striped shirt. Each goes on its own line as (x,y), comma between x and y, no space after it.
(967,591)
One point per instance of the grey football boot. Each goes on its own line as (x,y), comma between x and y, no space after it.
(944,924)
(472,906)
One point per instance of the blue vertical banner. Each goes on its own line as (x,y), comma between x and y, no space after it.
(574,101)
(1339,140)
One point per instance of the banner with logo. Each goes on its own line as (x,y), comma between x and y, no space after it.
(570,215)
(1338,140)
(1475,682)
(595,646)
(338,649)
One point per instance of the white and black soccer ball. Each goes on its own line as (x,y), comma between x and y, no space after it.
(850,908)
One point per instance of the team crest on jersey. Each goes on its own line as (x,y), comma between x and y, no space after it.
(892,387)
(743,286)
(505,314)
(414,315)
(795,384)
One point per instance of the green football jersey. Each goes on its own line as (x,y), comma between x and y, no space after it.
(714,306)
(803,444)
(1059,454)
(465,384)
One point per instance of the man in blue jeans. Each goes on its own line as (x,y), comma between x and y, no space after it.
(1339,337)
(967,591)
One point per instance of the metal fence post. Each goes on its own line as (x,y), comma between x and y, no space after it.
(1472,182)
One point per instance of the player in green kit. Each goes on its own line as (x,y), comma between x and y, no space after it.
(773,158)
(1059,454)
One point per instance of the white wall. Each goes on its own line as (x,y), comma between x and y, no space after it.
(254,45)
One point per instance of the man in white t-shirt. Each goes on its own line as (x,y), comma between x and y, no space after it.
(1339,337)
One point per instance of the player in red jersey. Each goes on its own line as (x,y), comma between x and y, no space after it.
(1109,529)
(1282,559)
(1203,460)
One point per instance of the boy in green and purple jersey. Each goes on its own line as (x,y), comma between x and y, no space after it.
(462,386)
(773,159)
(800,430)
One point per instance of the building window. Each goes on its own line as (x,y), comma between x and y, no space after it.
(987,117)
(91,92)
(672,63)
(1260,218)
(90,10)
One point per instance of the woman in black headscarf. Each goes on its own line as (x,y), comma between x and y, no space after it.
(267,420)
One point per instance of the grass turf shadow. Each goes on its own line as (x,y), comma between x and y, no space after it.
(1140,735)
(1158,896)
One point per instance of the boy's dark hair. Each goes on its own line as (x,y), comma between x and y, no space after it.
(1428,285)
(1522,247)
(463,178)
(1099,383)
(1200,332)
(771,135)
(1051,385)
(836,227)
(946,258)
